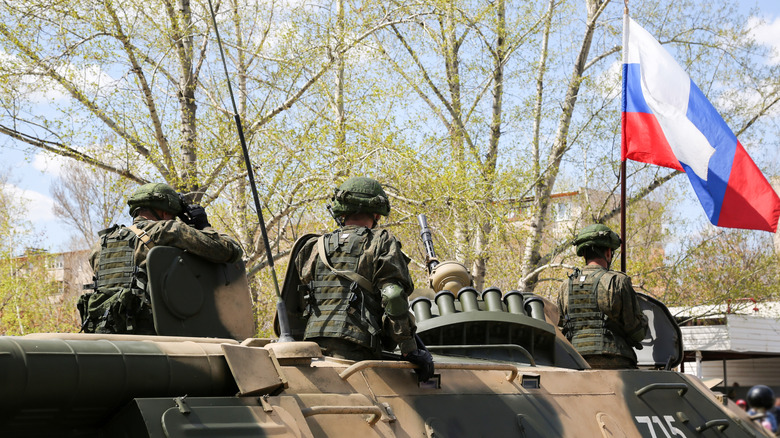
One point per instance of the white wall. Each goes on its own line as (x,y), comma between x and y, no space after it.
(746,372)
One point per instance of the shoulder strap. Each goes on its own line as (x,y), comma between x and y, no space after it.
(142,235)
(596,281)
(349,275)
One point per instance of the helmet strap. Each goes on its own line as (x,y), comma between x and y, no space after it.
(339,219)
(611,257)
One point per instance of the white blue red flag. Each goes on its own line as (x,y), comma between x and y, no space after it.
(667,121)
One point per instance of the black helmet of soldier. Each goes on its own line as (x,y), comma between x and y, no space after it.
(596,236)
(761,397)
(360,194)
(155,196)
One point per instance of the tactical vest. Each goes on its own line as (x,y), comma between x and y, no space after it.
(119,303)
(587,327)
(337,306)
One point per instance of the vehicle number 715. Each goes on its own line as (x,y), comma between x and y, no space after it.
(666,426)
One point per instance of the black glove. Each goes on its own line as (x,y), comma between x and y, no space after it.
(424,361)
(196,216)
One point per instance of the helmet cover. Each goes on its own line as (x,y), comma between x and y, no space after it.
(158,196)
(360,194)
(598,236)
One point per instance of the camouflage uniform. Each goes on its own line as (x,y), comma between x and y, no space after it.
(381,261)
(605,333)
(120,301)
(207,243)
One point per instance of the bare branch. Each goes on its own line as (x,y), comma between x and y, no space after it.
(66,151)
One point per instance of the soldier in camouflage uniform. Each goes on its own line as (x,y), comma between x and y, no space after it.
(600,311)
(120,302)
(358,282)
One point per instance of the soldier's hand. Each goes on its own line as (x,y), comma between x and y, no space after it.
(197,216)
(424,362)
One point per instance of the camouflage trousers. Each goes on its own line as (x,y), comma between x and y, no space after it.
(609,362)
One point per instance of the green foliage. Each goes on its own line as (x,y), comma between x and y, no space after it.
(721,265)
(456,106)
(30,301)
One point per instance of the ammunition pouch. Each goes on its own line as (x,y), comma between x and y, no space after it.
(567,329)
(120,311)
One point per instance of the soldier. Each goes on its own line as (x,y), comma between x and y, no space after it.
(120,302)
(600,312)
(358,282)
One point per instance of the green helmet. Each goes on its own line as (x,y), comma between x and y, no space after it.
(360,194)
(158,196)
(596,235)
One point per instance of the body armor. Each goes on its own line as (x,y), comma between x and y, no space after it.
(587,327)
(336,306)
(119,303)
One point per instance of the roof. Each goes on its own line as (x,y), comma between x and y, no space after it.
(719,334)
(741,306)
(736,334)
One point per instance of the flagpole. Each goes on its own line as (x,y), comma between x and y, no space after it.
(623,147)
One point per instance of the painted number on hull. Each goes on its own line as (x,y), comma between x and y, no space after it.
(666,426)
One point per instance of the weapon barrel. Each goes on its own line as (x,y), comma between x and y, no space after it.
(425,235)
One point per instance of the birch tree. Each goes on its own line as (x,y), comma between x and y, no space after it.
(454,62)
(586,136)
(137,89)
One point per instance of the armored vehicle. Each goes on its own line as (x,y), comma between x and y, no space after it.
(503,369)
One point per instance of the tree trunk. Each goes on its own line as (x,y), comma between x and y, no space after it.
(180,18)
(546,182)
(341,134)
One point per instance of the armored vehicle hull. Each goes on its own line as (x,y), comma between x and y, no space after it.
(502,369)
(109,386)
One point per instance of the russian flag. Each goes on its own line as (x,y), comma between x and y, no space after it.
(669,122)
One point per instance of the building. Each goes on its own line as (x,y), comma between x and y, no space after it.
(570,211)
(736,343)
(68,270)
(71,270)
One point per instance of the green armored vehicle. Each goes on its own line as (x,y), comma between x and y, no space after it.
(502,369)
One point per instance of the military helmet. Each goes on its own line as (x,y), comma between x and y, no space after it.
(360,194)
(596,235)
(761,396)
(158,196)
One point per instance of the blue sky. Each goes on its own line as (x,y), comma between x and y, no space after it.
(32,173)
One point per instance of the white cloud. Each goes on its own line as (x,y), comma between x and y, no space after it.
(49,164)
(41,89)
(610,80)
(767,32)
(38,206)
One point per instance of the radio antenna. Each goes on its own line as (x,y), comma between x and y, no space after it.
(281,310)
